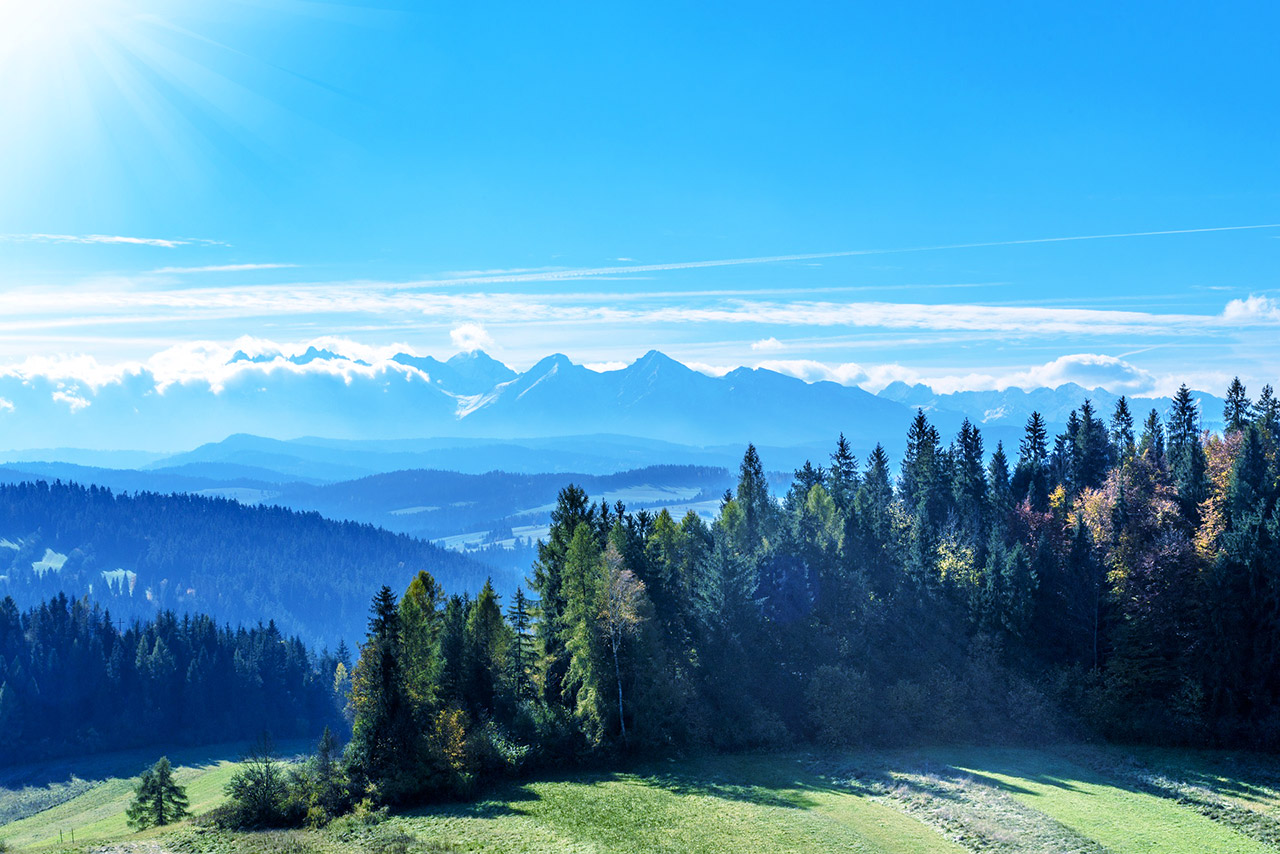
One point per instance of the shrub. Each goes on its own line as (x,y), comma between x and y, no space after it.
(838,705)
(259,791)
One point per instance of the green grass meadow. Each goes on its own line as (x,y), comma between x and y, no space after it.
(1062,800)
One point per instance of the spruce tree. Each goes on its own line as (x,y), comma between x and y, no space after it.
(420,621)
(1030,478)
(487,639)
(1186,454)
(572,509)
(523,657)
(969,484)
(383,739)
(158,800)
(1122,438)
(1151,444)
(752,496)
(1236,409)
(1267,413)
(998,489)
(844,474)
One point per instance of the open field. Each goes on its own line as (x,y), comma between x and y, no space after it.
(1087,800)
(88,797)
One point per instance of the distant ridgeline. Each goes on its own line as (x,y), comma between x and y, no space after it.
(140,554)
(74,682)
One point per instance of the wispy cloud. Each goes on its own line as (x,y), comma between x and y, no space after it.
(583,272)
(36,308)
(167,243)
(225,268)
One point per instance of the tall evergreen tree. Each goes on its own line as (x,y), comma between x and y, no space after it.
(420,621)
(523,657)
(1151,444)
(487,641)
(969,483)
(1030,478)
(384,745)
(572,509)
(1237,411)
(844,474)
(1000,495)
(1122,436)
(158,800)
(752,496)
(1186,454)
(1267,413)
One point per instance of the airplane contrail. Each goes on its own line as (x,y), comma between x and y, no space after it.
(579,273)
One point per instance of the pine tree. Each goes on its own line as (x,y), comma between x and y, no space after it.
(420,621)
(522,659)
(969,484)
(1186,454)
(1122,439)
(1236,409)
(844,475)
(572,509)
(1090,449)
(1151,444)
(383,743)
(759,513)
(1267,414)
(1034,447)
(1030,478)
(487,639)
(924,481)
(158,800)
(585,685)
(1000,496)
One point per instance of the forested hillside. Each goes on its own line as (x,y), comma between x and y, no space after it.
(138,554)
(74,681)
(1117,579)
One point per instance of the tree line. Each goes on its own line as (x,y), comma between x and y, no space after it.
(143,553)
(73,681)
(1119,579)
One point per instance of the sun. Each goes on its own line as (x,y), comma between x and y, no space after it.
(90,85)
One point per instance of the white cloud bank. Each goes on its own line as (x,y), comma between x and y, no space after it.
(470,336)
(1090,370)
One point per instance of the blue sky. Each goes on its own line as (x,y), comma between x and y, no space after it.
(182,179)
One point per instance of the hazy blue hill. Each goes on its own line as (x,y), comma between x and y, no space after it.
(123,459)
(1012,406)
(140,553)
(436,503)
(120,480)
(273,460)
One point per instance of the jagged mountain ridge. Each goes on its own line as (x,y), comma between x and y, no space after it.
(473,397)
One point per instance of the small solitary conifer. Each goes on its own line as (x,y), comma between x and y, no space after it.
(158,800)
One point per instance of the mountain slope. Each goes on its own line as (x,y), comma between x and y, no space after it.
(1012,406)
(136,554)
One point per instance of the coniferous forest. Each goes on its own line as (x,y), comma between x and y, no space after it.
(1119,580)
(75,681)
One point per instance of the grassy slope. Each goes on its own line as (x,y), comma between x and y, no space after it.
(89,797)
(1081,800)
(1108,808)
(713,805)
